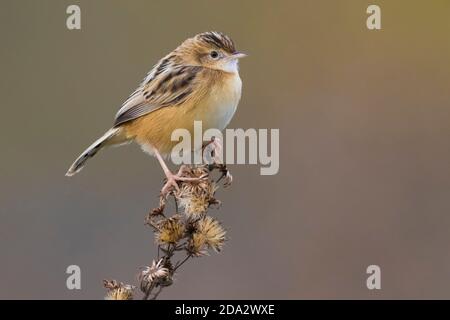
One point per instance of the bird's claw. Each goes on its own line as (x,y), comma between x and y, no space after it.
(228,179)
(170,184)
(173,179)
(226,175)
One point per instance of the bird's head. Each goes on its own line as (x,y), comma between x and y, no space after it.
(212,50)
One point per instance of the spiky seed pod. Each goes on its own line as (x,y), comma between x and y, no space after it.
(151,276)
(196,245)
(170,231)
(208,233)
(213,233)
(195,198)
(118,290)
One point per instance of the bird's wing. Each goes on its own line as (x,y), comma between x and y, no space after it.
(166,85)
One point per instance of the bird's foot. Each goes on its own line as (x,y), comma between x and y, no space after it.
(214,148)
(173,179)
(226,175)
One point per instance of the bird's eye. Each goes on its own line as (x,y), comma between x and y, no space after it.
(214,54)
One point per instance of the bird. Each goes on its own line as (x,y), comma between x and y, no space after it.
(198,81)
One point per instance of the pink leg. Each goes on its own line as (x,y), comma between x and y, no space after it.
(171,178)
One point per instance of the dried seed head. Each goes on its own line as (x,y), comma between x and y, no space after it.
(120,294)
(118,291)
(168,280)
(209,233)
(213,232)
(153,275)
(195,198)
(196,245)
(170,230)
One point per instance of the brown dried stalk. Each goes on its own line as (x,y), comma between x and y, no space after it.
(187,234)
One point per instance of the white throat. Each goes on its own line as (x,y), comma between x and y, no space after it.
(231,66)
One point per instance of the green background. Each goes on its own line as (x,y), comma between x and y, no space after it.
(364,121)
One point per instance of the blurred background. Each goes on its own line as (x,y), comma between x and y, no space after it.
(364,121)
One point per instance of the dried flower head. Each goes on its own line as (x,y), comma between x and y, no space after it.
(193,231)
(118,290)
(212,231)
(170,230)
(208,233)
(153,275)
(196,245)
(195,198)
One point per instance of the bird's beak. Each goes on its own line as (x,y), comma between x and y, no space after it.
(238,55)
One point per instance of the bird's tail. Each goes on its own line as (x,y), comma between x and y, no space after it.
(113,136)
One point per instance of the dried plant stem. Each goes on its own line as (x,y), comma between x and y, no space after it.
(191,231)
(180,263)
(148,292)
(157,293)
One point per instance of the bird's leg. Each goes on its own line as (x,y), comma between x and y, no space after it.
(226,175)
(215,145)
(172,179)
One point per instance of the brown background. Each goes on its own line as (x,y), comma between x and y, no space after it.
(364,122)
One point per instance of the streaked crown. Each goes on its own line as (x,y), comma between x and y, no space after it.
(218,40)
